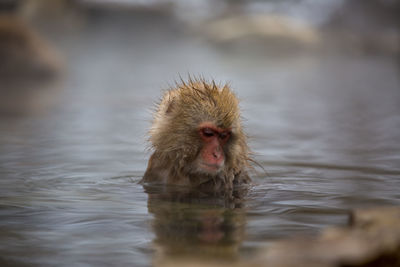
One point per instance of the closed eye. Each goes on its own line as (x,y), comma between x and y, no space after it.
(224,135)
(207,132)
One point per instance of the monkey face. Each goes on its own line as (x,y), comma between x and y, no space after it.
(211,159)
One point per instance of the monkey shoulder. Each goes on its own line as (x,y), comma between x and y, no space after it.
(155,173)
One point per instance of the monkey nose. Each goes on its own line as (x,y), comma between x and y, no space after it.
(217,153)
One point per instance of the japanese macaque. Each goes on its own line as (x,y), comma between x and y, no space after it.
(198,139)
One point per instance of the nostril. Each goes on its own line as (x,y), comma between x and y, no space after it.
(217,154)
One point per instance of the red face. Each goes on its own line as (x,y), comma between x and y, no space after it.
(212,155)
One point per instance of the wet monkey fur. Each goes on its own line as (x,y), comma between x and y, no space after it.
(197,138)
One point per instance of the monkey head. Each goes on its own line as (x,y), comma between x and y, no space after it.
(197,131)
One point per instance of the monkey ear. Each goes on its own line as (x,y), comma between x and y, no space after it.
(168,103)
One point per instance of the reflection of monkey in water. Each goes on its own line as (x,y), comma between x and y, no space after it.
(194,227)
(198,139)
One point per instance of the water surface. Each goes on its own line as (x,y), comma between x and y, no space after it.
(326,129)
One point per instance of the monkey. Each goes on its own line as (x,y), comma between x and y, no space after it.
(198,139)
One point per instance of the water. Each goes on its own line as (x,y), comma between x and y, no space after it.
(326,128)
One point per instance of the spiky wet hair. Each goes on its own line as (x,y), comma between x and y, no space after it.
(191,103)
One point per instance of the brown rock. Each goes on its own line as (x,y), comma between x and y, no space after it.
(29,68)
(372,239)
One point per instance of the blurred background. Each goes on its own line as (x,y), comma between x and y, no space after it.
(320,97)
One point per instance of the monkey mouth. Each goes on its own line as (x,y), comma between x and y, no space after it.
(210,168)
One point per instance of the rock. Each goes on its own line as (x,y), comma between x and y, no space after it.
(371,239)
(279,34)
(25,55)
(29,66)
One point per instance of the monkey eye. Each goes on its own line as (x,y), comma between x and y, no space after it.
(224,135)
(207,132)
